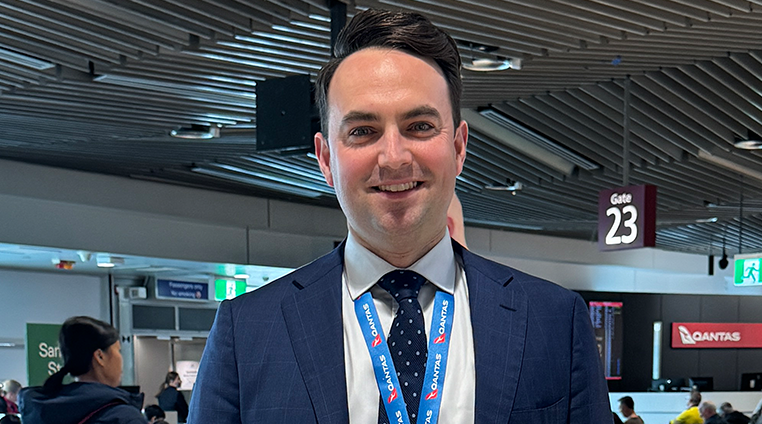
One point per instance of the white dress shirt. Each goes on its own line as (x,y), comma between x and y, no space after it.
(362,270)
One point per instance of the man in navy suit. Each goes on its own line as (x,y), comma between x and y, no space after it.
(521,350)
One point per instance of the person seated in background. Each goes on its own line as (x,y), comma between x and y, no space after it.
(170,398)
(732,416)
(627,408)
(708,411)
(154,414)
(690,415)
(11,390)
(91,352)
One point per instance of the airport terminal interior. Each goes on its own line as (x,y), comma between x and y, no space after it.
(157,158)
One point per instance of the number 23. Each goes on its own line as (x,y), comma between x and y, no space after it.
(630,223)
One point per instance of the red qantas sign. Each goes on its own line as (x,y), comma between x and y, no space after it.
(699,335)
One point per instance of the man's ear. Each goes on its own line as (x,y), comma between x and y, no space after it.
(323,153)
(460,141)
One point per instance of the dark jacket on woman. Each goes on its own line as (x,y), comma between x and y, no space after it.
(172,400)
(75,401)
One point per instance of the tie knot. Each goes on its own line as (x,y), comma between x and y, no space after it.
(402,284)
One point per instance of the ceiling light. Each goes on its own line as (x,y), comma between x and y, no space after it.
(103,260)
(750,144)
(241,276)
(707,220)
(197,132)
(489,65)
(513,187)
(726,161)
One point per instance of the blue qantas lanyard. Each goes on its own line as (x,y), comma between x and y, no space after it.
(436,363)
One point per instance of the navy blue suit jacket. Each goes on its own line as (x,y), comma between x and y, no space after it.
(276,355)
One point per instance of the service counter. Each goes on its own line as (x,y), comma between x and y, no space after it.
(661,407)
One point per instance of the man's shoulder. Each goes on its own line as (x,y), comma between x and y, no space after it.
(321,270)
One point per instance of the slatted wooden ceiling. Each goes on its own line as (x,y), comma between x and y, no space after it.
(98,84)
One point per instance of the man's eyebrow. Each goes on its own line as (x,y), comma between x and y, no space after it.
(354,116)
(421,111)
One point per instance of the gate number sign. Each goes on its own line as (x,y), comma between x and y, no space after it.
(627,217)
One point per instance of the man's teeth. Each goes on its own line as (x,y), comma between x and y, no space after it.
(398,187)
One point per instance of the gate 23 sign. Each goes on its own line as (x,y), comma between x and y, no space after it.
(627,217)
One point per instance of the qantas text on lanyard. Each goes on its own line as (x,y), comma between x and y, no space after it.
(436,363)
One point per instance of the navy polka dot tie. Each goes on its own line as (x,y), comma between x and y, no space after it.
(407,339)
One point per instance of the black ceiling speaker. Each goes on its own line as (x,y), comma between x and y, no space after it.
(287,118)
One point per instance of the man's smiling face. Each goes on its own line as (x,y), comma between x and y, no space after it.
(393,152)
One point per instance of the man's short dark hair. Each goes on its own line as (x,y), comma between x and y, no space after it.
(154,411)
(409,32)
(627,401)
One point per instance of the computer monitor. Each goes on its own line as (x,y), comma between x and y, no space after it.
(667,384)
(751,381)
(702,384)
(131,389)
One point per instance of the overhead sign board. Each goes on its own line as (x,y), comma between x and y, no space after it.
(627,217)
(746,269)
(181,290)
(702,335)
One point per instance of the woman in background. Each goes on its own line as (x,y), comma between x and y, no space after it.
(91,353)
(170,399)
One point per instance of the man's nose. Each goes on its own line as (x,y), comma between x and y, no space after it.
(395,150)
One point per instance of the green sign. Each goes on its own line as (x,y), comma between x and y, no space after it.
(228,289)
(43,356)
(746,271)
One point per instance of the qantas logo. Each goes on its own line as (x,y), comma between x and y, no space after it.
(432,395)
(392,396)
(376,341)
(685,335)
(689,338)
(439,339)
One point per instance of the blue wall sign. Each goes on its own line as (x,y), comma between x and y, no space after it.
(186,290)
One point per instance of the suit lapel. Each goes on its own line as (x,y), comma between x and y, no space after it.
(313,319)
(499,321)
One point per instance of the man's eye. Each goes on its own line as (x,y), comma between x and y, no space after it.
(421,126)
(360,132)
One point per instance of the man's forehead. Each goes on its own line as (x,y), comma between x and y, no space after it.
(357,73)
(363,57)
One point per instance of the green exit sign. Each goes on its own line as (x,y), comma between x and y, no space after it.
(228,289)
(746,270)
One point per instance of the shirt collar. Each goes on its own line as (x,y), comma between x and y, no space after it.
(363,268)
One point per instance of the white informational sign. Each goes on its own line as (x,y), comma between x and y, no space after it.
(187,371)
